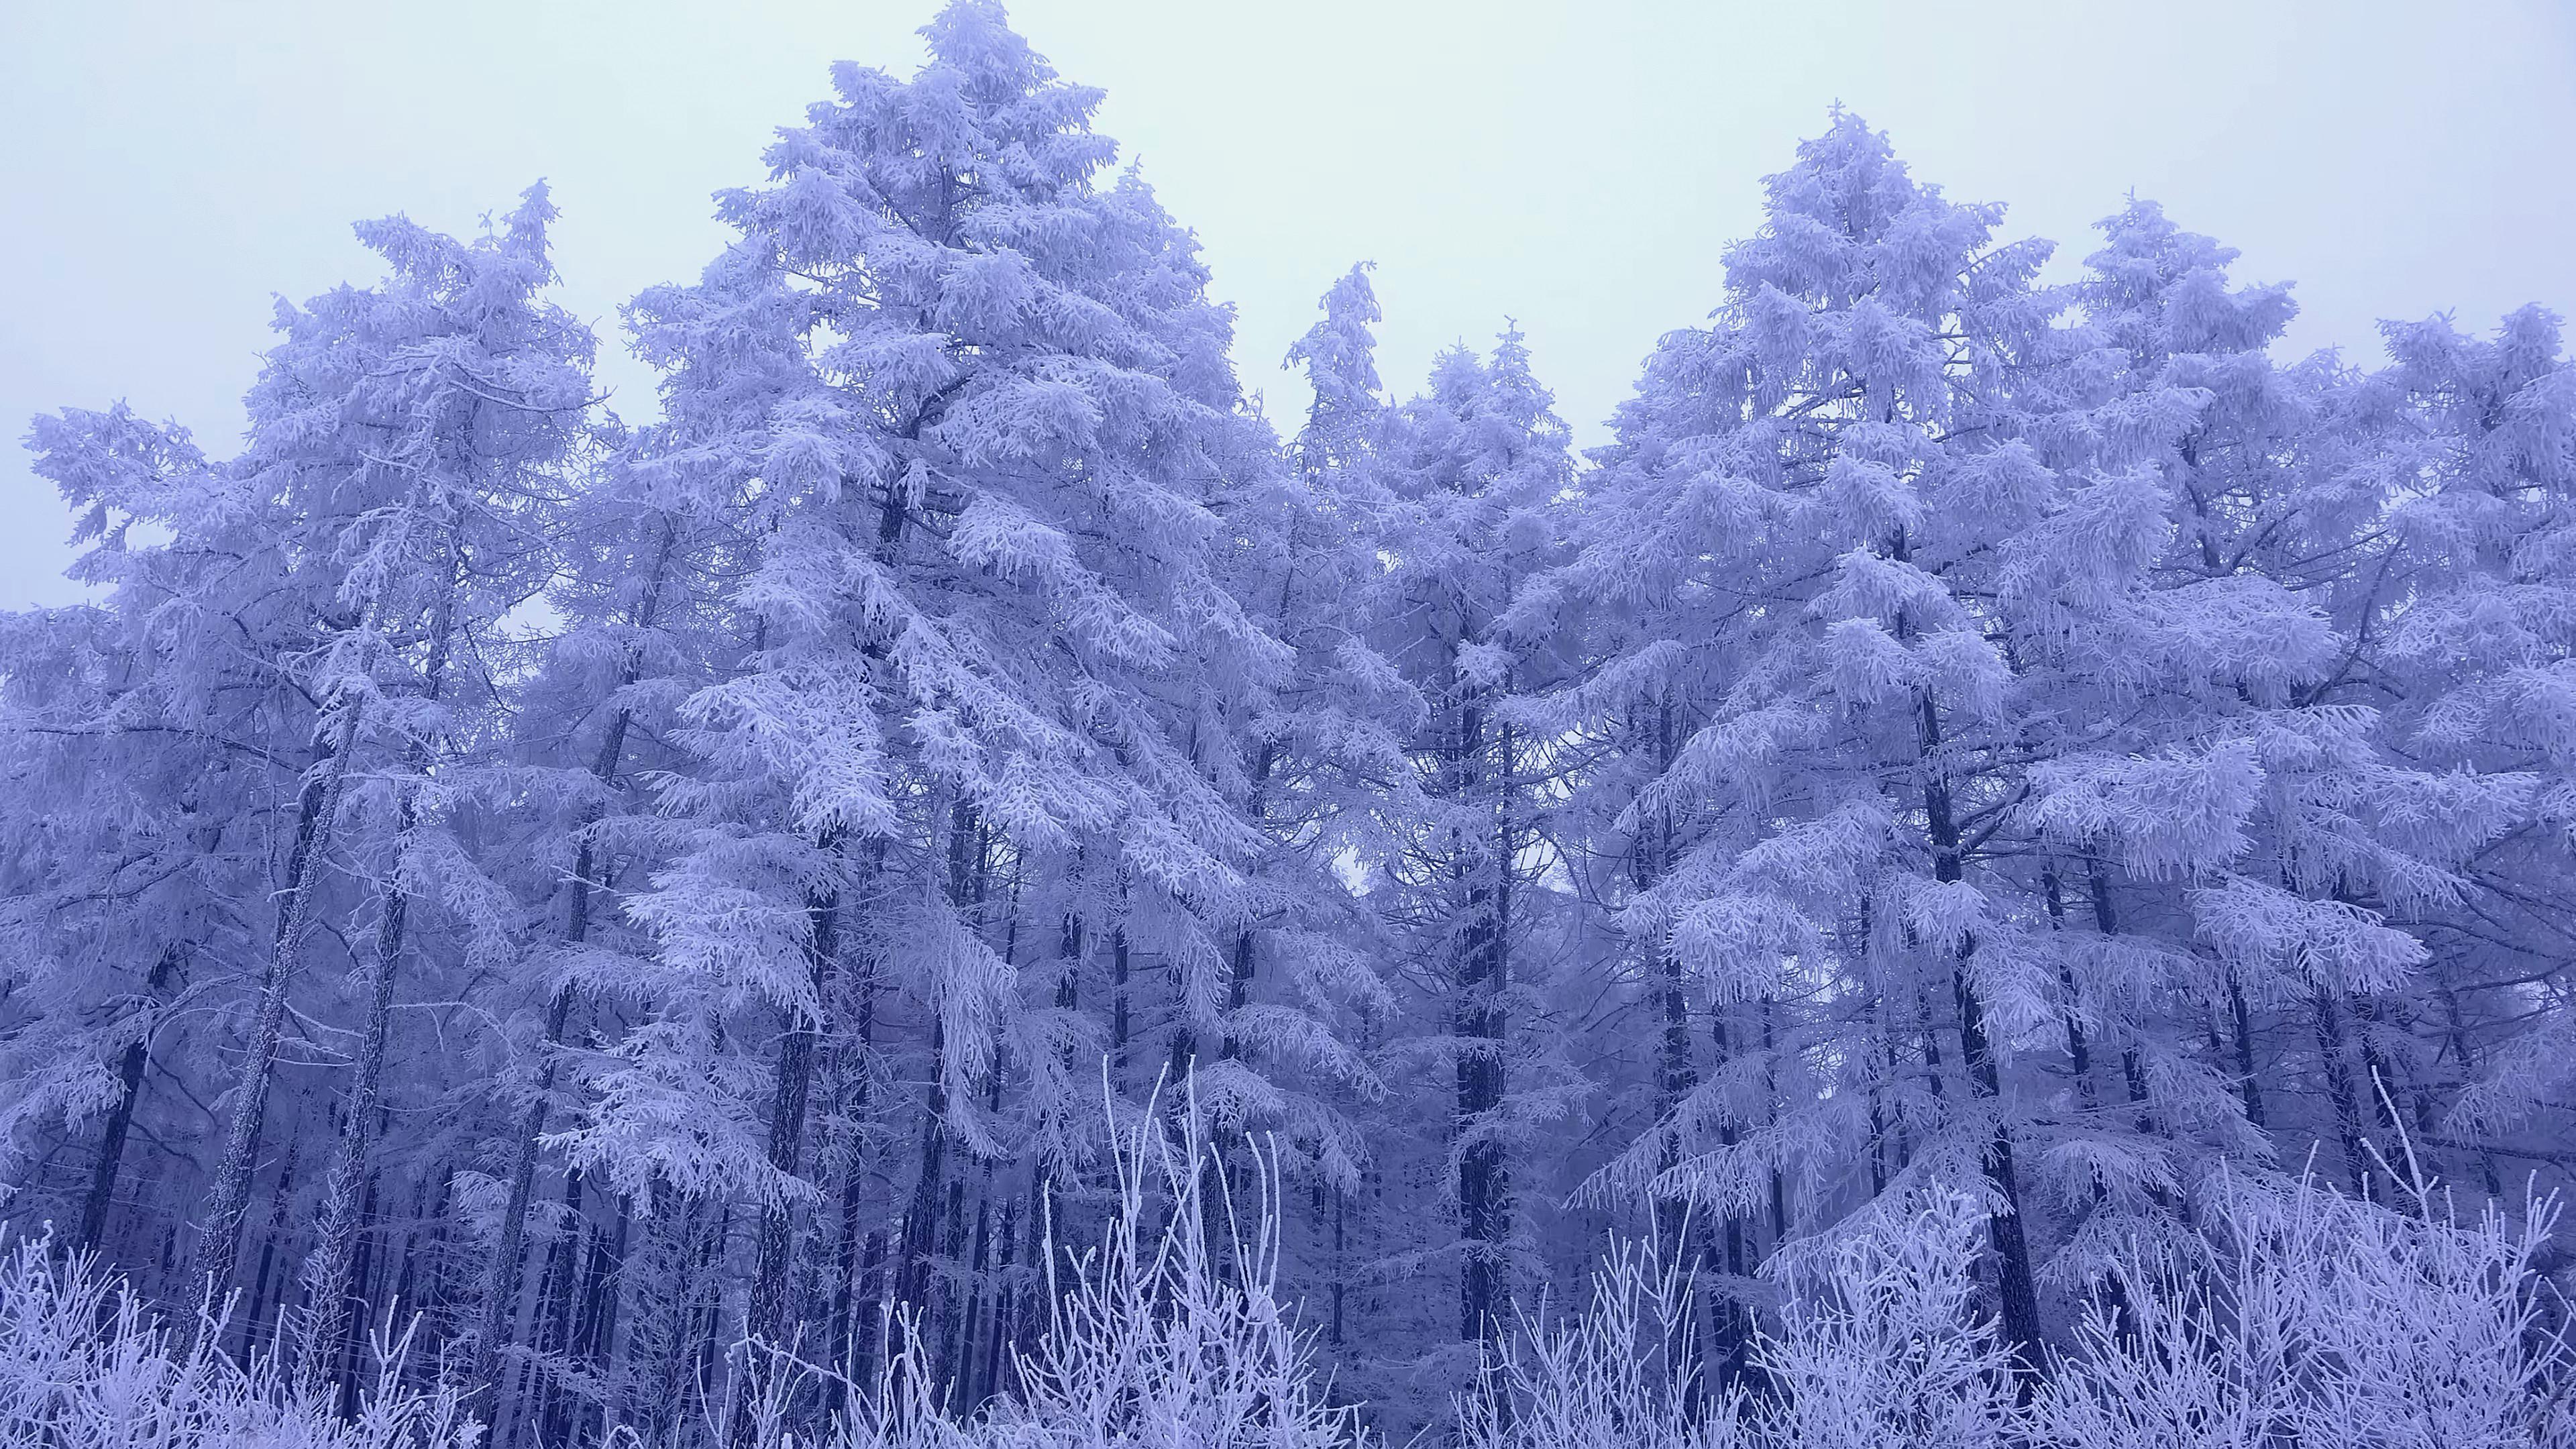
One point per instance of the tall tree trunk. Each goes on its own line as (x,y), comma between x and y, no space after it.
(2339,1087)
(351,1345)
(501,1292)
(766,1317)
(336,1225)
(555,1327)
(1676,1071)
(1484,1185)
(2004,1228)
(2249,1085)
(1730,1321)
(848,1297)
(1005,1297)
(318,806)
(120,1115)
(268,1251)
(2106,921)
(917,1250)
(2079,1051)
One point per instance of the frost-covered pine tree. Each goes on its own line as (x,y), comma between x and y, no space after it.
(983,428)
(1775,544)
(2255,840)
(422,432)
(332,604)
(2478,445)
(643,555)
(152,750)
(1469,474)
(708,925)
(1326,736)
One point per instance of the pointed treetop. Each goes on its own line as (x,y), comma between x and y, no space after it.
(1339,353)
(1848,222)
(2158,290)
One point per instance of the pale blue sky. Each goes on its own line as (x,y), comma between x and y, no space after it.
(169,166)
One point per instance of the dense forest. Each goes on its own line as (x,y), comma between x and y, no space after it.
(1974,759)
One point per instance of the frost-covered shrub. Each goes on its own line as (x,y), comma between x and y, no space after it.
(1625,1373)
(1879,1341)
(85,1364)
(1168,1332)
(2296,1318)
(2307,1317)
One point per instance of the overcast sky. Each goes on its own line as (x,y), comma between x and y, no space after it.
(166,167)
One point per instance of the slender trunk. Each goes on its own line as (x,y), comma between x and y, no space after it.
(2079,1055)
(846,1288)
(336,1225)
(278,1201)
(1676,1073)
(2132,1069)
(917,1250)
(1121,1024)
(555,1330)
(607,1295)
(1484,1186)
(919,1244)
(2339,1087)
(2249,1086)
(1341,1266)
(766,1317)
(1771,1115)
(1730,1320)
(501,1293)
(963,1357)
(352,1344)
(120,1115)
(228,1198)
(953,1248)
(1985,1081)
(1003,1298)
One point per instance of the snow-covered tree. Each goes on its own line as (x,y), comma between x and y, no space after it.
(980,432)
(1468,475)
(707,922)
(1803,706)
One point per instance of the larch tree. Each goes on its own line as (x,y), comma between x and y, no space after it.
(1474,463)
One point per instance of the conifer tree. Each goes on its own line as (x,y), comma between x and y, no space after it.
(1475,463)
(986,617)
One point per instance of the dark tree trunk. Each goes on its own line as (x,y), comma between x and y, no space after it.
(2020,1298)
(766,1317)
(277,1204)
(120,1115)
(2249,1085)
(336,1224)
(2339,1088)
(228,1200)
(501,1293)
(1484,1181)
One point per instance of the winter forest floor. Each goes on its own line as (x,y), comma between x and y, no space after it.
(2292,1315)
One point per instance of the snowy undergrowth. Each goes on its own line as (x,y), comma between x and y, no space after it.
(86,1364)
(2296,1316)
